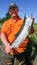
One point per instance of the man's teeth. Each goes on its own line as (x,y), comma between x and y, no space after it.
(14,15)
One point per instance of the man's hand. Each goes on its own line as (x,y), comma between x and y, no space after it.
(7,48)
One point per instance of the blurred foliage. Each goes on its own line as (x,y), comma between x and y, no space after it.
(7,16)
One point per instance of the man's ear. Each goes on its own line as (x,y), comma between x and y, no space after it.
(9,12)
(18,10)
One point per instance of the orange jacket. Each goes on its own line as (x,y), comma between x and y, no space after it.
(0,33)
(10,29)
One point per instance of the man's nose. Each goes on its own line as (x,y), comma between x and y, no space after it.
(13,11)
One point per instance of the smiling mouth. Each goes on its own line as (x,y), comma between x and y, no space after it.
(13,14)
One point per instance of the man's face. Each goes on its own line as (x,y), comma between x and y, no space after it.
(13,12)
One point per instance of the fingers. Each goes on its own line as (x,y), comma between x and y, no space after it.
(7,49)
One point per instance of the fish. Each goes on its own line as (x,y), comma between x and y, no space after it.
(21,36)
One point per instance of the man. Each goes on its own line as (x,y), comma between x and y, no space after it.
(10,28)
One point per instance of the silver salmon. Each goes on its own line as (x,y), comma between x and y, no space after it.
(23,32)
